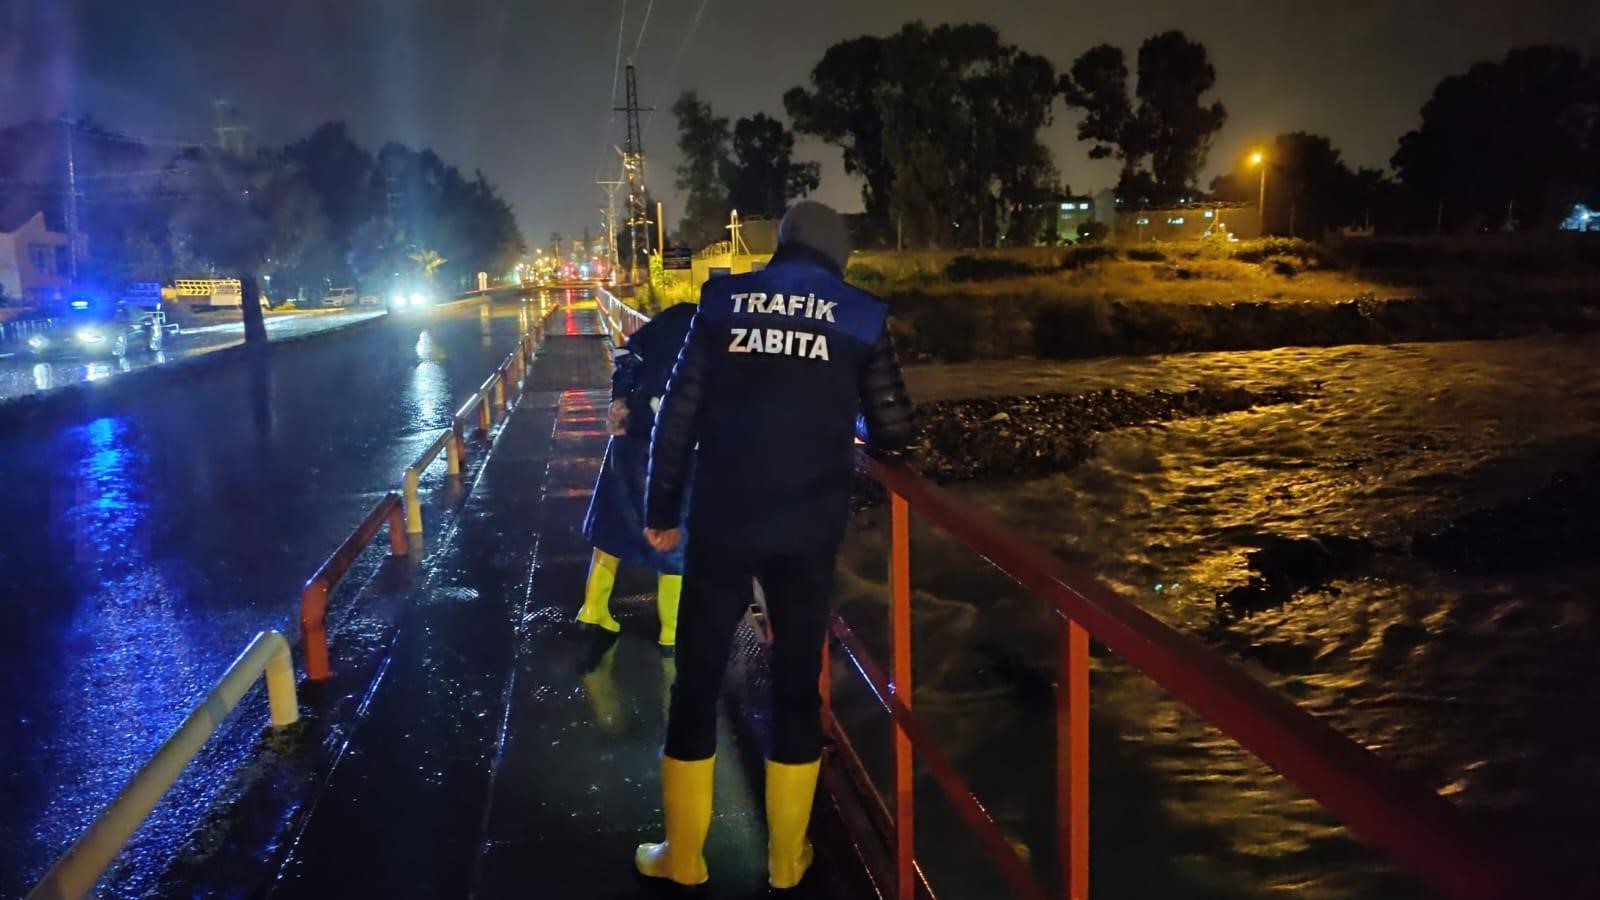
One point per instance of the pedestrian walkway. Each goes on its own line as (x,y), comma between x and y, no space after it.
(506,752)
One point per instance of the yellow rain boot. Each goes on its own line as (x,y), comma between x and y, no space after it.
(686,806)
(668,589)
(596,609)
(790,790)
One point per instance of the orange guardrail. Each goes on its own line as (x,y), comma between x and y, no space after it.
(1421,831)
(314,596)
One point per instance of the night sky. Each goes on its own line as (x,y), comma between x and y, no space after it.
(521,89)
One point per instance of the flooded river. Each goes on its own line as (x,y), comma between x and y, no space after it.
(1480,685)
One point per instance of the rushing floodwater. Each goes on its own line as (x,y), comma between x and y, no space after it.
(1480,686)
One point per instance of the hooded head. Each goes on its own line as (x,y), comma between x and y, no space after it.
(817,227)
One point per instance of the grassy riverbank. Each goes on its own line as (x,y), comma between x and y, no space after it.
(1110,300)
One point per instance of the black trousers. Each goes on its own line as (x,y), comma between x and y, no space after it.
(716,592)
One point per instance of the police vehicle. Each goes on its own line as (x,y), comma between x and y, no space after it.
(92,324)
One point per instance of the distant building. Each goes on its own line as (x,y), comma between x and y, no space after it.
(1073,211)
(34,261)
(1186,222)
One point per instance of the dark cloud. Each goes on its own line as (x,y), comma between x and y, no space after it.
(521,88)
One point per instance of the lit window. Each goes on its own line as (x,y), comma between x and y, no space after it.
(1066,206)
(1209,213)
(1083,206)
(1142,221)
(1175,220)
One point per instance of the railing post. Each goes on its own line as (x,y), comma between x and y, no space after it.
(825,688)
(281,699)
(398,544)
(1072,758)
(485,414)
(313,612)
(900,629)
(452,451)
(500,390)
(413,502)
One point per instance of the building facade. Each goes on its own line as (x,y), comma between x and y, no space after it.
(34,261)
(1186,222)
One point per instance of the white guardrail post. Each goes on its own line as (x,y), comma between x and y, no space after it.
(77,871)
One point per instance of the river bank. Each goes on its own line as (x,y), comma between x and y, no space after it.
(1094,301)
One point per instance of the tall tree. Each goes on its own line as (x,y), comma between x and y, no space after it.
(762,175)
(703,141)
(942,125)
(1516,141)
(841,109)
(1163,132)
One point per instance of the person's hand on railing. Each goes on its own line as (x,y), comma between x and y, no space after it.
(617,418)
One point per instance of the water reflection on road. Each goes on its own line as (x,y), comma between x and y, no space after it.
(21,373)
(142,549)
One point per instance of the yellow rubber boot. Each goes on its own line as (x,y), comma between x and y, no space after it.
(668,589)
(686,806)
(790,790)
(596,609)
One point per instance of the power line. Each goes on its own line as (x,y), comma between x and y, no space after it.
(676,60)
(640,42)
(616,70)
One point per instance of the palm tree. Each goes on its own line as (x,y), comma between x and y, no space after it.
(428,261)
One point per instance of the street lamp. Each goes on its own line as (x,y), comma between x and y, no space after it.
(1259,159)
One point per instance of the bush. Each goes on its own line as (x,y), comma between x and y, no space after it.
(1080,257)
(863,276)
(1146,254)
(1301,254)
(985,268)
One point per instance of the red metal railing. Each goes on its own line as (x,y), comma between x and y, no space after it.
(1421,831)
(314,597)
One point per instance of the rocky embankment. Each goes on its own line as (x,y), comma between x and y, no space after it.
(1039,435)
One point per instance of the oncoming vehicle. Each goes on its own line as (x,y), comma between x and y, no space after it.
(403,297)
(94,326)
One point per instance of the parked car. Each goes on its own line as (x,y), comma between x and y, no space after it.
(345,296)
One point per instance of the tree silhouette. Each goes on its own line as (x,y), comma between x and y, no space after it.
(1163,132)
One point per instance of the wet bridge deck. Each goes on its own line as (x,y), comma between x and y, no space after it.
(503,752)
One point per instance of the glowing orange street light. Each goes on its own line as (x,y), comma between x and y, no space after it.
(1260,159)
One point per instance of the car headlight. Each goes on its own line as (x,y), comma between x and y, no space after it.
(89,336)
(38,342)
(416,299)
(398,299)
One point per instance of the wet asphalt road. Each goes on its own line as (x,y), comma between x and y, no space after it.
(141,548)
(22,373)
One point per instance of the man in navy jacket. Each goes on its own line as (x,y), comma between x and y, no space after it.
(781,371)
